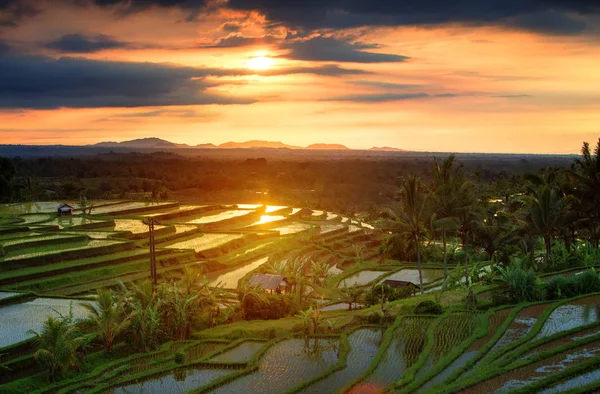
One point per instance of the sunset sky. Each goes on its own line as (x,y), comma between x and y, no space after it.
(427,75)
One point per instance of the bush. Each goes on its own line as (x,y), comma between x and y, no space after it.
(519,286)
(373,296)
(428,308)
(274,306)
(179,357)
(566,287)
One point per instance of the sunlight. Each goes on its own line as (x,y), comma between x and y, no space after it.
(268,218)
(260,62)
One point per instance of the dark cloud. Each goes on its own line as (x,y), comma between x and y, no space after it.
(238,40)
(231,27)
(387,85)
(45,83)
(331,49)
(387,97)
(545,16)
(542,16)
(14,11)
(78,43)
(329,70)
(549,22)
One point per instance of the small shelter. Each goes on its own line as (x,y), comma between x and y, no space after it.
(65,210)
(269,282)
(304,213)
(401,284)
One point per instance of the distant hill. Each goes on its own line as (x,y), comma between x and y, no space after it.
(158,143)
(386,149)
(327,147)
(145,143)
(257,144)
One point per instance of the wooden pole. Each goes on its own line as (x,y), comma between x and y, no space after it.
(153,275)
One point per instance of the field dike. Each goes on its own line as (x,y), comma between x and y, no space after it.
(67,255)
(503,359)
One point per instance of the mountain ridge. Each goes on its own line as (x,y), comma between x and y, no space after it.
(158,143)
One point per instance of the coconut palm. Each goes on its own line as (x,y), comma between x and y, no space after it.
(449,190)
(144,307)
(495,232)
(409,221)
(57,344)
(350,295)
(586,175)
(106,318)
(311,318)
(179,308)
(318,272)
(548,211)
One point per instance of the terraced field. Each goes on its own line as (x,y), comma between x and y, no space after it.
(535,347)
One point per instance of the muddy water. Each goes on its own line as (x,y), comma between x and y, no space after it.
(178,381)
(531,373)
(517,329)
(406,346)
(285,365)
(578,381)
(17,319)
(574,314)
(364,345)
(239,354)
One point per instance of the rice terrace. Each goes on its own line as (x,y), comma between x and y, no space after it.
(457,284)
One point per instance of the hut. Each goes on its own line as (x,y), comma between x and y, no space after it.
(269,282)
(65,210)
(401,284)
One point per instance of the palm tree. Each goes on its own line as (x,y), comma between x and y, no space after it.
(350,295)
(179,308)
(311,318)
(106,318)
(445,225)
(495,232)
(586,174)
(57,344)
(318,272)
(410,219)
(145,311)
(448,191)
(548,211)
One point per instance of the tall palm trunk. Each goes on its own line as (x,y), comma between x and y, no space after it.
(419,267)
(466,260)
(548,244)
(445,255)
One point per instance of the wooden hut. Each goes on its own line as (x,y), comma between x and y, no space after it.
(65,210)
(269,282)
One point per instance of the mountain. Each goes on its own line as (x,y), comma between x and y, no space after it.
(157,143)
(257,144)
(327,147)
(206,146)
(145,143)
(386,149)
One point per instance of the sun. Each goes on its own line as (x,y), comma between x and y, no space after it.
(260,61)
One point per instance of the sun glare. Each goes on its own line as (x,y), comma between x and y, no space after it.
(260,62)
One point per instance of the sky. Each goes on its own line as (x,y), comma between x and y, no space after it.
(430,75)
